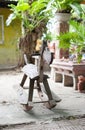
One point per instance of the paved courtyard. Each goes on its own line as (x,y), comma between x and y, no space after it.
(72,105)
(72,124)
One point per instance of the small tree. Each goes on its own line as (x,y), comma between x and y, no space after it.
(34,15)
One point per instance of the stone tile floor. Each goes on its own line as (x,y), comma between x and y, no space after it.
(40,118)
(71,124)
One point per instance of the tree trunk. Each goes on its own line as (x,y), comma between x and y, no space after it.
(27,44)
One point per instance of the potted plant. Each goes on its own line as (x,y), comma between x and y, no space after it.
(64,11)
(34,16)
(75,37)
(64,8)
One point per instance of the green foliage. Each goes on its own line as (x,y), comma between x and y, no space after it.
(17,11)
(31,14)
(79,29)
(78,11)
(66,39)
(65,5)
(74,37)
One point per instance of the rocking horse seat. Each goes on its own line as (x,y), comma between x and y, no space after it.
(30,70)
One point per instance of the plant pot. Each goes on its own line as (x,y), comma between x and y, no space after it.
(62,16)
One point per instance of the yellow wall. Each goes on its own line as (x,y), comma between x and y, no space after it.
(8,50)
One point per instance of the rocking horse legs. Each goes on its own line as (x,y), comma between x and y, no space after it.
(51,103)
(23,80)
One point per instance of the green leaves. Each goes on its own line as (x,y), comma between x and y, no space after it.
(17,11)
(65,39)
(22,6)
(30,13)
(10,18)
(65,5)
(75,37)
(38,6)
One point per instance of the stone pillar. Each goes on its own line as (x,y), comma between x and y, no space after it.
(61,26)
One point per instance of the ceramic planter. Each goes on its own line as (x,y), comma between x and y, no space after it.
(62,16)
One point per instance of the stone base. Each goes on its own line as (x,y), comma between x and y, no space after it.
(58,78)
(68,81)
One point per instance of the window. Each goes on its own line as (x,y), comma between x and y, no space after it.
(1,30)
